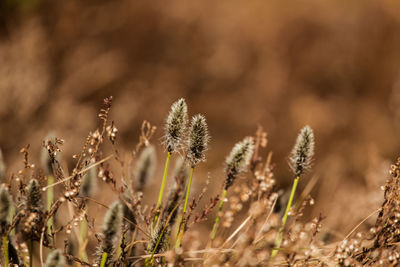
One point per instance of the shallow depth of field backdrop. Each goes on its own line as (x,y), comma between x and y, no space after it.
(334,65)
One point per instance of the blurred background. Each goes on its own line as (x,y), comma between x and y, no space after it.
(334,65)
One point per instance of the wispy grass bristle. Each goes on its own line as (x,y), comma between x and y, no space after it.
(303,151)
(198,139)
(55,259)
(176,125)
(145,167)
(238,160)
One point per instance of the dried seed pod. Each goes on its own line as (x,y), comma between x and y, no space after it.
(111,228)
(55,259)
(176,125)
(198,140)
(145,167)
(238,160)
(5,206)
(303,151)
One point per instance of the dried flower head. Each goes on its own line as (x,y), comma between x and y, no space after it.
(89,182)
(145,167)
(55,259)
(2,166)
(33,195)
(5,205)
(111,227)
(198,139)
(176,125)
(303,151)
(238,160)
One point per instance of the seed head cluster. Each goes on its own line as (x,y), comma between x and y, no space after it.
(238,160)
(198,140)
(176,125)
(303,151)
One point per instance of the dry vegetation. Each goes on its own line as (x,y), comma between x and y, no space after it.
(251,229)
(328,64)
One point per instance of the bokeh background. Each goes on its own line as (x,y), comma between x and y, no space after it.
(334,65)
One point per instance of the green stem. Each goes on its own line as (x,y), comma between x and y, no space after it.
(30,248)
(279,238)
(103,259)
(188,189)
(5,248)
(221,204)
(50,200)
(83,230)
(183,220)
(160,195)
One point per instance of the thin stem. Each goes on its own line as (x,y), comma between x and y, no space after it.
(160,195)
(279,238)
(183,220)
(50,200)
(103,259)
(83,230)
(5,248)
(188,189)
(221,204)
(30,253)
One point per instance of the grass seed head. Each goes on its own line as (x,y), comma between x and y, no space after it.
(5,205)
(145,167)
(33,195)
(303,151)
(89,182)
(156,235)
(111,227)
(198,139)
(238,160)
(55,259)
(45,159)
(176,125)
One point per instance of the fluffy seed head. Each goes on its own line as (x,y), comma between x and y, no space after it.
(33,195)
(303,151)
(5,205)
(198,139)
(145,167)
(89,182)
(155,236)
(176,125)
(111,227)
(55,259)
(238,160)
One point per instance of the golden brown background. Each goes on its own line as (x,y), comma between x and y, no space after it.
(331,64)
